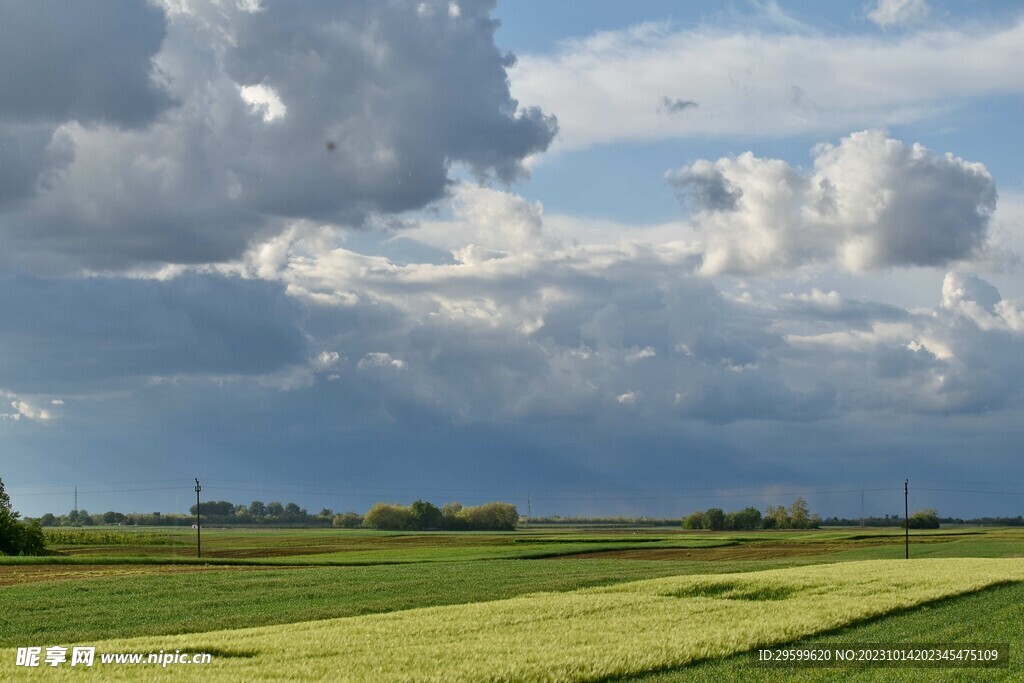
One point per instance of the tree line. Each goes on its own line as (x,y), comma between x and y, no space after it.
(558,520)
(796,516)
(425,516)
(215,512)
(418,516)
(927,518)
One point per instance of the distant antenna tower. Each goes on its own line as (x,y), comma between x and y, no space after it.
(529,508)
(76,499)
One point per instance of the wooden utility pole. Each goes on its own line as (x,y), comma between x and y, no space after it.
(199,524)
(906,518)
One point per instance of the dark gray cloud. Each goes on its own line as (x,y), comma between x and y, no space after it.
(737,396)
(400,91)
(705,187)
(86,61)
(670,105)
(30,155)
(965,357)
(71,335)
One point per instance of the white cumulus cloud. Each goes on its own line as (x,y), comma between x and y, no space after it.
(378,359)
(888,13)
(870,202)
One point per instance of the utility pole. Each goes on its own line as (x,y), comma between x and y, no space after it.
(906,517)
(529,508)
(862,508)
(199,524)
(76,498)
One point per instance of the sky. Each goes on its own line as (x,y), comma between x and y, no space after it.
(590,258)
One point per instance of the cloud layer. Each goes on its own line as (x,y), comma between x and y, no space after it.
(529,324)
(613,86)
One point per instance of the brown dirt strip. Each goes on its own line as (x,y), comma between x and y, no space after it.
(743,551)
(13,575)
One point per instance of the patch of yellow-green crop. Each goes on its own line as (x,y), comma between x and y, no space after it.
(588,634)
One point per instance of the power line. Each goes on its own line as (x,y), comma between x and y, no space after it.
(86,491)
(992,493)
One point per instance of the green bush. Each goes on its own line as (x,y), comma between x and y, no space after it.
(695,520)
(422,516)
(924,519)
(18,537)
(347,520)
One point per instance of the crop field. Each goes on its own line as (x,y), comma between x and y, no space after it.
(536,604)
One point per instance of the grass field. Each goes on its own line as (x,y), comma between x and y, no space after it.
(529,605)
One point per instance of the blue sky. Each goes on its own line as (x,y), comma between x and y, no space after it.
(668,256)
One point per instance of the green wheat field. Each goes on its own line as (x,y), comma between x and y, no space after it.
(531,605)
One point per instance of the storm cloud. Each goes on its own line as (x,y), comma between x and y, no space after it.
(373,103)
(65,335)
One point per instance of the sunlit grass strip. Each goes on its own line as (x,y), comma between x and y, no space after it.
(582,635)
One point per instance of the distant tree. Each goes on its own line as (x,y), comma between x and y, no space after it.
(715,519)
(17,537)
(326,513)
(799,515)
(494,516)
(924,519)
(426,516)
(48,520)
(220,509)
(347,520)
(257,509)
(293,513)
(111,517)
(389,518)
(746,519)
(695,520)
(275,509)
(453,518)
(776,517)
